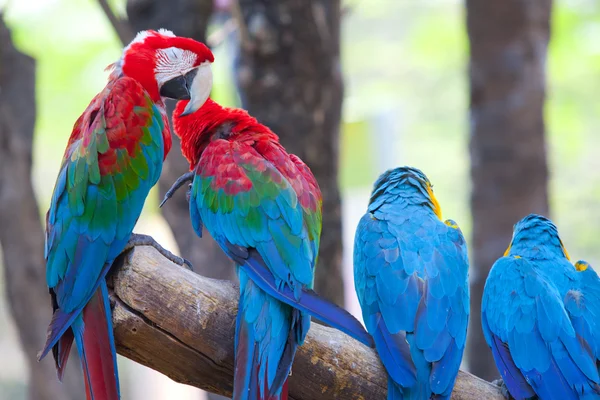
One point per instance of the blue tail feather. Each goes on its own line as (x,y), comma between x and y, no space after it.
(263,353)
(77,326)
(394,352)
(61,321)
(246,352)
(58,325)
(394,390)
(111,332)
(308,301)
(513,377)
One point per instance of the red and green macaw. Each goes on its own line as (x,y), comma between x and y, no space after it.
(113,158)
(411,277)
(540,316)
(263,206)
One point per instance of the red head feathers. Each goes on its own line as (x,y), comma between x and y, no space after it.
(213,121)
(155,58)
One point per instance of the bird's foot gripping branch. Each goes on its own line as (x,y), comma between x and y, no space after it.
(182,325)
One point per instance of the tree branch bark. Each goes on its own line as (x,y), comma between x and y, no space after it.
(21,232)
(182,325)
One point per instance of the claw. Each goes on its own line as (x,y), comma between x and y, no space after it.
(188,176)
(137,239)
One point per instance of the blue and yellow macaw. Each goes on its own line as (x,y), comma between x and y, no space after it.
(411,278)
(540,317)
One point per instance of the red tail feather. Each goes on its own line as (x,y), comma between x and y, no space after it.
(61,352)
(101,382)
(284,391)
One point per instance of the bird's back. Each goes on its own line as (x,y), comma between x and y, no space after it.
(411,279)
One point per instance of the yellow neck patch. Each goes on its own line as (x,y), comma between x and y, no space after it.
(565,250)
(450,224)
(579,266)
(508,250)
(436,205)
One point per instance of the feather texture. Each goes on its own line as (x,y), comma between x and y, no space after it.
(263,206)
(410,274)
(537,320)
(243,190)
(113,158)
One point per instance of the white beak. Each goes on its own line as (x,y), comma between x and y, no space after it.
(200,88)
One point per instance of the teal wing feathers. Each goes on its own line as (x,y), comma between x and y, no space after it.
(114,157)
(245,200)
(248,198)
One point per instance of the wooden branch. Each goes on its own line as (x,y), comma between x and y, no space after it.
(182,325)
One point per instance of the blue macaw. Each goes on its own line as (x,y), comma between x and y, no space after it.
(411,278)
(540,317)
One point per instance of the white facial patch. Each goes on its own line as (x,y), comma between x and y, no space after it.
(166,32)
(142,35)
(139,38)
(173,62)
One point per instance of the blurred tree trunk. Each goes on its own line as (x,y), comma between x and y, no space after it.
(185,18)
(21,233)
(509,41)
(289,77)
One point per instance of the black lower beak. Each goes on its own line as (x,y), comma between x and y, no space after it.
(179,88)
(175,89)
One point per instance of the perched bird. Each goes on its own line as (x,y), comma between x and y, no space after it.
(113,158)
(540,317)
(263,207)
(411,278)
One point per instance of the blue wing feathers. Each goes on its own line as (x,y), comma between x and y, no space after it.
(394,352)
(534,342)
(411,281)
(62,320)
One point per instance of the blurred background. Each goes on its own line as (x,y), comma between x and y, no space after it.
(497,102)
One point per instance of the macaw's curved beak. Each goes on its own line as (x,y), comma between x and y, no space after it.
(194,86)
(201,85)
(178,88)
